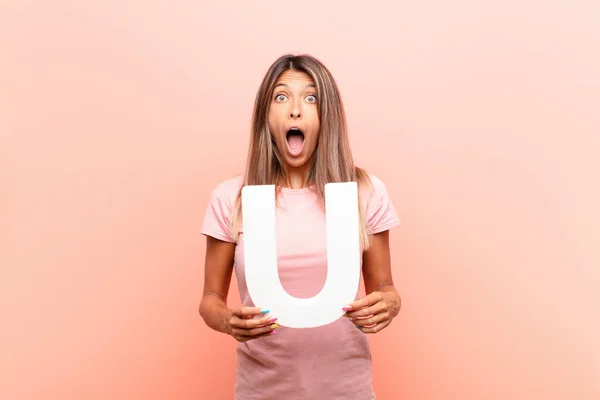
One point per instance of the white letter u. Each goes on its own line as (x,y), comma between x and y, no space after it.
(343,257)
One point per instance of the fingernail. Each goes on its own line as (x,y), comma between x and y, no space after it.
(272,332)
(264,310)
(272,319)
(274,326)
(357,327)
(346,308)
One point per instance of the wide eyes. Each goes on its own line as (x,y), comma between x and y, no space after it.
(311,98)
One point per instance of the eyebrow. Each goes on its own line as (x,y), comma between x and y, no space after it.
(283,84)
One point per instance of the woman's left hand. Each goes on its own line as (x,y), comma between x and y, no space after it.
(375,311)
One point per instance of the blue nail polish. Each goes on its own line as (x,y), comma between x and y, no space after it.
(264,310)
(357,327)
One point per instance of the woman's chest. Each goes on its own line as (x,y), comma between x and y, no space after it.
(301,248)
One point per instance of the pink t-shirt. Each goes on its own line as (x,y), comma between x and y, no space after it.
(330,362)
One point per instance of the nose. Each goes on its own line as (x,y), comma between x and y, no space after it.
(295,111)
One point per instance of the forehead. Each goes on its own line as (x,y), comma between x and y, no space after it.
(293,77)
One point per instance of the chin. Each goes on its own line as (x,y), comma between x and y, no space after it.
(296,163)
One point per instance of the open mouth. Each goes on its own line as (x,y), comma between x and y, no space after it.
(295,140)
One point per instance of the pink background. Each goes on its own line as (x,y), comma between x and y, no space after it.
(118,118)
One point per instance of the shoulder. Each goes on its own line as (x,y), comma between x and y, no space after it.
(219,212)
(372,186)
(227,190)
(377,205)
(377,184)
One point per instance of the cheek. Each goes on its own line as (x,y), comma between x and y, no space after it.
(274,121)
(316,129)
(272,125)
(314,117)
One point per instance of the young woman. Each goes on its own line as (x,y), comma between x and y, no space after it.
(299,143)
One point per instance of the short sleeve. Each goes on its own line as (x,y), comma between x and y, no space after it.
(380,212)
(217,217)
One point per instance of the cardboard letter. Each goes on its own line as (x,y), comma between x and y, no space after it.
(343,257)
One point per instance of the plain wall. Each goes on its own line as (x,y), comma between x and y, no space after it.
(117,118)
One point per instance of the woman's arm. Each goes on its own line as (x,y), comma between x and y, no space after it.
(377,266)
(382,302)
(218,268)
(239,323)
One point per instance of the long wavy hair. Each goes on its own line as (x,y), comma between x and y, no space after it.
(332,161)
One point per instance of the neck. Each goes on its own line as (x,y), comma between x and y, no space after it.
(295,178)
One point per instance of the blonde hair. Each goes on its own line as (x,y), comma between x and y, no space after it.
(332,161)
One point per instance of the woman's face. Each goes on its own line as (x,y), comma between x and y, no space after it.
(293,118)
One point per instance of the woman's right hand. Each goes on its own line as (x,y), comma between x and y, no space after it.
(243,324)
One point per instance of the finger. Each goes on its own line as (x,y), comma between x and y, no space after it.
(366,301)
(247,338)
(249,311)
(246,333)
(262,330)
(372,321)
(374,309)
(375,328)
(248,324)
